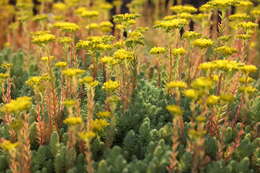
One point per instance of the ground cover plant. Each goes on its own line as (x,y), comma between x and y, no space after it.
(163,88)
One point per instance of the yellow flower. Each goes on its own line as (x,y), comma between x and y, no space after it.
(170,25)
(7,145)
(40,17)
(239,17)
(201,118)
(222,4)
(190,35)
(65,40)
(47,58)
(183,9)
(59,6)
(69,102)
(202,82)
(175,110)
(7,66)
(73,121)
(87,136)
(4,76)
(18,105)
(99,124)
(123,54)
(110,85)
(249,68)
(105,114)
(191,93)
(176,84)
(225,50)
(92,26)
(36,81)
(89,14)
(246,80)
(89,81)
(178,51)
(202,43)
(212,100)
(247,89)
(193,134)
(227,97)
(247,25)
(43,38)
(70,72)
(157,50)
(61,64)
(108,60)
(184,16)
(66,26)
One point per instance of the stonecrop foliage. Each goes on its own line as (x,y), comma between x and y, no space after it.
(159,89)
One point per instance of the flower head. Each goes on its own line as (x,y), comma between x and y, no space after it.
(202,43)
(175,110)
(66,26)
(18,105)
(7,145)
(110,85)
(73,121)
(157,50)
(70,72)
(176,84)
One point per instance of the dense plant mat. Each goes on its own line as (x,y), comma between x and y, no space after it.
(159,89)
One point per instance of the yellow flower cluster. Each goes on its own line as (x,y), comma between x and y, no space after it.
(225,50)
(222,4)
(175,110)
(123,54)
(125,18)
(178,51)
(227,65)
(105,114)
(36,81)
(47,58)
(191,93)
(170,25)
(239,17)
(73,121)
(66,26)
(212,100)
(247,25)
(157,50)
(7,145)
(40,17)
(202,83)
(99,124)
(108,60)
(43,38)
(70,72)
(18,105)
(59,6)
(69,102)
(186,16)
(4,76)
(87,136)
(190,35)
(176,84)
(183,9)
(202,43)
(61,64)
(110,86)
(65,40)
(248,89)
(83,12)
(89,81)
